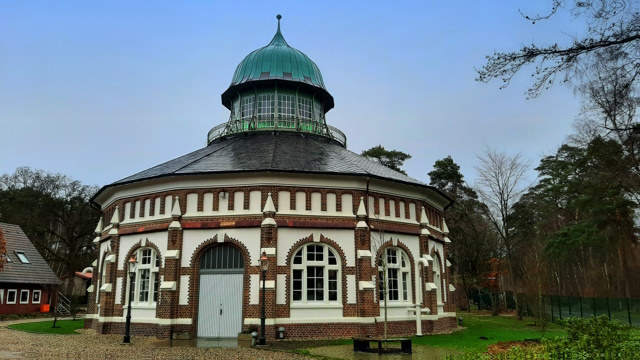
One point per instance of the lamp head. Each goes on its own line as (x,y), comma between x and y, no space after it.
(264,261)
(132,264)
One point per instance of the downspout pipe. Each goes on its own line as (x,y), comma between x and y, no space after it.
(425,264)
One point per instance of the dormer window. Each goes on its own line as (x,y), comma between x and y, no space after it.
(22,257)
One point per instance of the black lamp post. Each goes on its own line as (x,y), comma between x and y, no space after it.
(132,273)
(264,266)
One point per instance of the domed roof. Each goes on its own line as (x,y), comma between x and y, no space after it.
(278,60)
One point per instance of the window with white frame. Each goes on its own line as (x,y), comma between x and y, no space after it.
(317,109)
(147,279)
(12,296)
(286,110)
(24,296)
(246,107)
(304,106)
(266,107)
(1,296)
(22,257)
(315,275)
(36,297)
(103,275)
(398,275)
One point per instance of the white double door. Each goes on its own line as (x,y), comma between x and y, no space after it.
(220,305)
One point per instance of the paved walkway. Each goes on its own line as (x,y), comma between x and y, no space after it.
(88,345)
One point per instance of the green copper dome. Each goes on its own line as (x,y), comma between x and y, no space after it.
(278,60)
(281,63)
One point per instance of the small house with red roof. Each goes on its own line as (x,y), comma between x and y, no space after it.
(26,281)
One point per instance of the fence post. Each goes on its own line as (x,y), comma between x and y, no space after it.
(581,315)
(569,298)
(629,312)
(594,307)
(559,308)
(608,309)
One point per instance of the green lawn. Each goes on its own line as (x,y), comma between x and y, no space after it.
(62,326)
(493,328)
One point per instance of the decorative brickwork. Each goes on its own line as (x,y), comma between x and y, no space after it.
(365,305)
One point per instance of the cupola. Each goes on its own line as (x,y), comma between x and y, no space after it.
(277,88)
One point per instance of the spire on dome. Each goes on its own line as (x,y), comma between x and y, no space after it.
(278,39)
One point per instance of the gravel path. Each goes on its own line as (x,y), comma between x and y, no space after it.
(88,345)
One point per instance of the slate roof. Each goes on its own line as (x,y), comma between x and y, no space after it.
(36,272)
(273,152)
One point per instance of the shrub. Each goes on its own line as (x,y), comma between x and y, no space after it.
(593,338)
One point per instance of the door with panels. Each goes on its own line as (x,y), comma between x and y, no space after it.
(220,292)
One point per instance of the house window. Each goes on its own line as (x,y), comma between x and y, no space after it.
(22,257)
(398,277)
(147,279)
(24,296)
(1,296)
(36,297)
(6,257)
(315,275)
(11,296)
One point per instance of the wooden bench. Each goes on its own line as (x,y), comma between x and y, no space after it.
(364,344)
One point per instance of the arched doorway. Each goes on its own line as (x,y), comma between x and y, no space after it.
(220,293)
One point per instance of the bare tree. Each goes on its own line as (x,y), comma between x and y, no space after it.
(377,244)
(501,182)
(610,24)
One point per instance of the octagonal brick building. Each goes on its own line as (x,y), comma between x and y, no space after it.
(274,178)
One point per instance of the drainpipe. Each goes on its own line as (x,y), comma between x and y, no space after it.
(419,299)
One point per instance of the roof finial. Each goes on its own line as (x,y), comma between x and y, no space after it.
(278,17)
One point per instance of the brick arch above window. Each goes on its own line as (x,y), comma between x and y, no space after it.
(205,245)
(135,248)
(323,240)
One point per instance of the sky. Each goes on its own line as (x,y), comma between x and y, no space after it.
(100,90)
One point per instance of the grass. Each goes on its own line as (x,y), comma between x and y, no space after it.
(482,331)
(63,327)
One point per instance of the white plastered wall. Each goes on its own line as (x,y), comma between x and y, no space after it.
(183,298)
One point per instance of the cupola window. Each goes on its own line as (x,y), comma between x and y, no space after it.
(286,110)
(304,106)
(247,107)
(266,107)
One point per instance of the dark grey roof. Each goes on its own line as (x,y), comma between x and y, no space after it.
(273,152)
(37,272)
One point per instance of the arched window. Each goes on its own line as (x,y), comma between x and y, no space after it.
(398,275)
(146,283)
(437,279)
(315,275)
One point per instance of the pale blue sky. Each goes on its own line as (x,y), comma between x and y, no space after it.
(102,90)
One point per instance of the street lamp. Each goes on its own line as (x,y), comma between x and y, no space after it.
(132,273)
(264,266)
